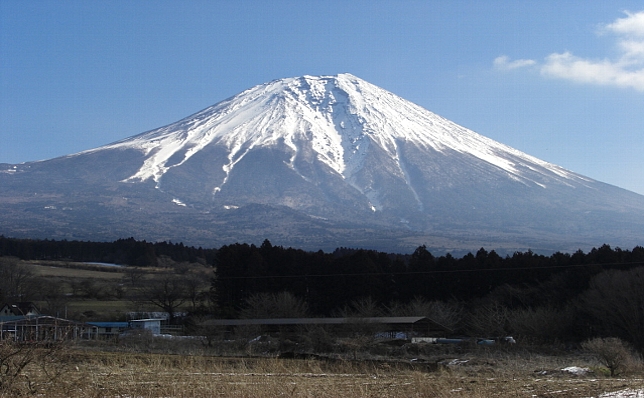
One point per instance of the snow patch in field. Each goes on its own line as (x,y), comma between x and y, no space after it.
(106,264)
(628,393)
(576,370)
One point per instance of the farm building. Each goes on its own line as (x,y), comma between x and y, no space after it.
(153,325)
(26,308)
(45,328)
(107,330)
(385,327)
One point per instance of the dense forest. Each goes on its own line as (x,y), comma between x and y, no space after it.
(560,297)
(328,281)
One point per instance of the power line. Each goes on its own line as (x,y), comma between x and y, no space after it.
(472,270)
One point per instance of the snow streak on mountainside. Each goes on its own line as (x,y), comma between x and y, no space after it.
(338,116)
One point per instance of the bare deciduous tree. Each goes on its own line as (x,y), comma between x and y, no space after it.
(365,307)
(168,292)
(133,276)
(274,305)
(196,289)
(616,298)
(543,324)
(16,280)
(489,320)
(54,294)
(448,314)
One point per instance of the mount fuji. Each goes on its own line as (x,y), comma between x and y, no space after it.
(317,162)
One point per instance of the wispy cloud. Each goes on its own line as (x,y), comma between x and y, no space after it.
(624,70)
(504,63)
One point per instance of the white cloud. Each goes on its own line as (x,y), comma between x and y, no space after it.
(504,63)
(633,50)
(632,25)
(604,72)
(625,70)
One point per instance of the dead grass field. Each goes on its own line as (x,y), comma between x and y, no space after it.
(60,269)
(96,371)
(110,300)
(89,373)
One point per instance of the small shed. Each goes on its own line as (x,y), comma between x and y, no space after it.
(107,330)
(153,325)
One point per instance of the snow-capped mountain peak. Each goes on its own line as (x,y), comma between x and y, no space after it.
(340,117)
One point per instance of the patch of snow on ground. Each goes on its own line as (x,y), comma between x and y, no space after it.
(106,264)
(576,370)
(628,393)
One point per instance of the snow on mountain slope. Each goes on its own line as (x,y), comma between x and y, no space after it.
(339,116)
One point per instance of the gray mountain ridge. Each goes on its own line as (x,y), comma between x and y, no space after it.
(317,162)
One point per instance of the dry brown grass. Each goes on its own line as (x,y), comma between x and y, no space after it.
(484,374)
(60,269)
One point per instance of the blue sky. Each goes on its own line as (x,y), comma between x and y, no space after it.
(562,81)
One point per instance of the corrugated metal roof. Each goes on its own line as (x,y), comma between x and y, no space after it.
(148,320)
(45,320)
(109,324)
(400,320)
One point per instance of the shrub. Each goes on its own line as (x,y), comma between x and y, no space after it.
(611,352)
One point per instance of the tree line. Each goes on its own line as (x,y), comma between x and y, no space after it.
(327,281)
(544,298)
(122,251)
